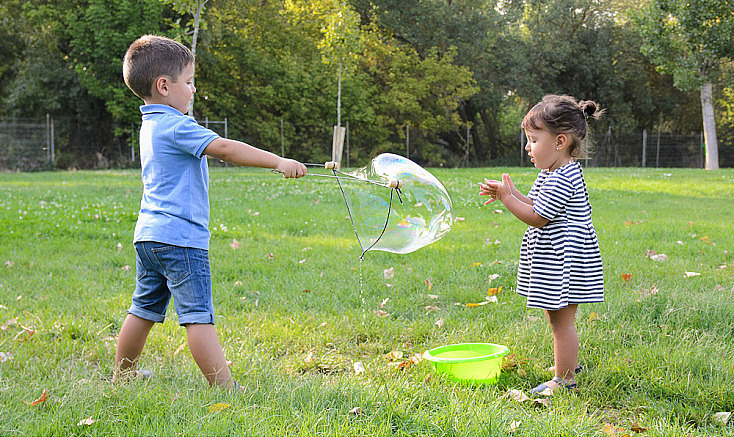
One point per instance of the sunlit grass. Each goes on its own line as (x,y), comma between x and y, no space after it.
(295,310)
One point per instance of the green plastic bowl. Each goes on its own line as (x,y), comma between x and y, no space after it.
(471,363)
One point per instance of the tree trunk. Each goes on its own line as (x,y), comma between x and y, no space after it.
(709,127)
(197,18)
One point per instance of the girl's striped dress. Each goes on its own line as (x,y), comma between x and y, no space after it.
(560,263)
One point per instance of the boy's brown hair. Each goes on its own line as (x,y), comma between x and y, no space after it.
(151,57)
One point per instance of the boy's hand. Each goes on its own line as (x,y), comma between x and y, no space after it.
(291,168)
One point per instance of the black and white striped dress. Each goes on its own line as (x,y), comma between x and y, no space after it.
(560,263)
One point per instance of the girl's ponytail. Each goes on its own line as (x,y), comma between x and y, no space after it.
(590,109)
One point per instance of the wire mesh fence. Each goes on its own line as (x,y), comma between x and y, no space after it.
(53,142)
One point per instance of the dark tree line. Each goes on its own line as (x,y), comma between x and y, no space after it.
(442,68)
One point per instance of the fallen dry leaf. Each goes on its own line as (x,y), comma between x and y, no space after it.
(179,349)
(517,395)
(394,355)
(388,273)
(593,316)
(86,422)
(511,361)
(25,334)
(626,276)
(722,418)
(439,323)
(218,407)
(460,219)
(431,308)
(41,399)
(381,313)
(384,302)
(358,367)
(429,284)
(235,244)
(269,255)
(514,425)
(494,291)
(637,428)
(356,411)
(5,356)
(659,257)
(543,402)
(498,211)
(8,323)
(691,274)
(611,430)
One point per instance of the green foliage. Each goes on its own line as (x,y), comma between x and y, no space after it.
(438,66)
(687,39)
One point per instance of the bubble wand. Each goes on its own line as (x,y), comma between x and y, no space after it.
(423,215)
(393,184)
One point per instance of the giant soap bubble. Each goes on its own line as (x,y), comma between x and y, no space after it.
(420,209)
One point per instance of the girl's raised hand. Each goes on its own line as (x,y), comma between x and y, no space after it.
(496,189)
(489,188)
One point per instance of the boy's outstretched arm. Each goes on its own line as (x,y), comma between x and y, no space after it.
(239,153)
(505,192)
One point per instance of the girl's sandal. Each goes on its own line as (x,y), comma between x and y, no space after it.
(546,390)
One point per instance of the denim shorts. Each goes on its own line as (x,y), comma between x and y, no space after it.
(165,271)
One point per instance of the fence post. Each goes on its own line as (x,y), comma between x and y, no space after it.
(48,136)
(522,146)
(407,141)
(657,154)
(282,139)
(53,151)
(347,144)
(132,142)
(466,154)
(225,127)
(644,146)
(703,149)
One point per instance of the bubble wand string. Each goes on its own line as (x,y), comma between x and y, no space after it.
(393,185)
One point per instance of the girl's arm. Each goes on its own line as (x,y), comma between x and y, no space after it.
(520,207)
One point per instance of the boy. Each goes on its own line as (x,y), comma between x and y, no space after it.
(172,234)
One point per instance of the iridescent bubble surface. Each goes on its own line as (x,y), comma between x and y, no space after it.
(424,216)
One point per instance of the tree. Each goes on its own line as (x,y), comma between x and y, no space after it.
(690,40)
(196,9)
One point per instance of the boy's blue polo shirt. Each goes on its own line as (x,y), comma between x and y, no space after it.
(175,205)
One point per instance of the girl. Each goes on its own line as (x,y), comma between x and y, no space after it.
(560,263)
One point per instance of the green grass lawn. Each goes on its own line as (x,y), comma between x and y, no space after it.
(296,309)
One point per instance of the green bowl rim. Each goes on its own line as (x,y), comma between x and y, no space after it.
(430,357)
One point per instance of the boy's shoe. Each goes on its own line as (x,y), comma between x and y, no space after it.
(143,375)
(545,390)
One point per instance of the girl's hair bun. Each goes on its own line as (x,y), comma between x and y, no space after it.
(590,109)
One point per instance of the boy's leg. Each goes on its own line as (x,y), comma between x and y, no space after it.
(130,344)
(565,341)
(208,354)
